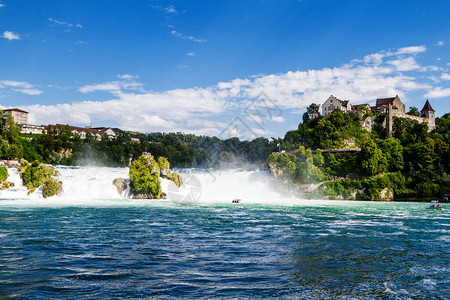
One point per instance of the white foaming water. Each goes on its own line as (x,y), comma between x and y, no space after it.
(90,182)
(93,186)
(81,186)
(222,186)
(18,191)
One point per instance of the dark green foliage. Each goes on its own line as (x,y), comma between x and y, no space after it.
(10,146)
(302,166)
(50,187)
(37,175)
(371,159)
(413,111)
(144,179)
(371,188)
(418,161)
(392,151)
(3,173)
(324,133)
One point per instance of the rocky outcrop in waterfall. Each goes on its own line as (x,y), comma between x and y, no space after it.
(37,175)
(145,177)
(121,185)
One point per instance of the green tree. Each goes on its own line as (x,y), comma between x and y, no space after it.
(371,158)
(393,152)
(311,108)
(413,111)
(144,179)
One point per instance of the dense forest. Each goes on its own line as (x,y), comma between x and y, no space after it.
(61,146)
(413,163)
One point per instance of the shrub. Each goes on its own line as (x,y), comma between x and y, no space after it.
(50,187)
(144,179)
(3,173)
(37,175)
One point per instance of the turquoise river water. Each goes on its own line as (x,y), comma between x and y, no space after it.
(134,249)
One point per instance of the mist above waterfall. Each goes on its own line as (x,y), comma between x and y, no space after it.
(223,186)
(84,185)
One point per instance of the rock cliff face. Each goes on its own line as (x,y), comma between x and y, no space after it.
(6,185)
(387,194)
(274,171)
(173,177)
(120,184)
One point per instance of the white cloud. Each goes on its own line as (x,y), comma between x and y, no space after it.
(144,112)
(11,35)
(113,86)
(187,37)
(190,54)
(170,10)
(108,86)
(445,76)
(2,5)
(438,92)
(430,68)
(375,58)
(127,76)
(407,64)
(434,79)
(62,23)
(440,43)
(208,110)
(20,87)
(412,50)
(31,92)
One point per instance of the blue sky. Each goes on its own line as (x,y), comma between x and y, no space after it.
(245,68)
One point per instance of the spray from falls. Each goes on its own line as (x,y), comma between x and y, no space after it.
(224,186)
(93,184)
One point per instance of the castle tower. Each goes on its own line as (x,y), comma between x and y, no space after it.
(428,112)
(389,121)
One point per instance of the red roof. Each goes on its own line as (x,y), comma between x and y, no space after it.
(14,109)
(343,102)
(358,106)
(427,107)
(385,101)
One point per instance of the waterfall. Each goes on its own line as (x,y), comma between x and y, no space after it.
(90,182)
(86,184)
(222,186)
(77,182)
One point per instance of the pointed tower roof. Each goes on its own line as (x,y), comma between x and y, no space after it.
(427,107)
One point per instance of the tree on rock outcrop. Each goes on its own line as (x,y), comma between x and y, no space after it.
(37,175)
(144,177)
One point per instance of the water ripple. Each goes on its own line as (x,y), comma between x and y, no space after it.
(341,250)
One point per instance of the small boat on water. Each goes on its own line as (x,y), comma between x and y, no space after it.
(435,205)
(236,200)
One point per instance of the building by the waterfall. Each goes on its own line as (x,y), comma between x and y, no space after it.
(389,107)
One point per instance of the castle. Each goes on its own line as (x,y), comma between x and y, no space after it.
(389,107)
